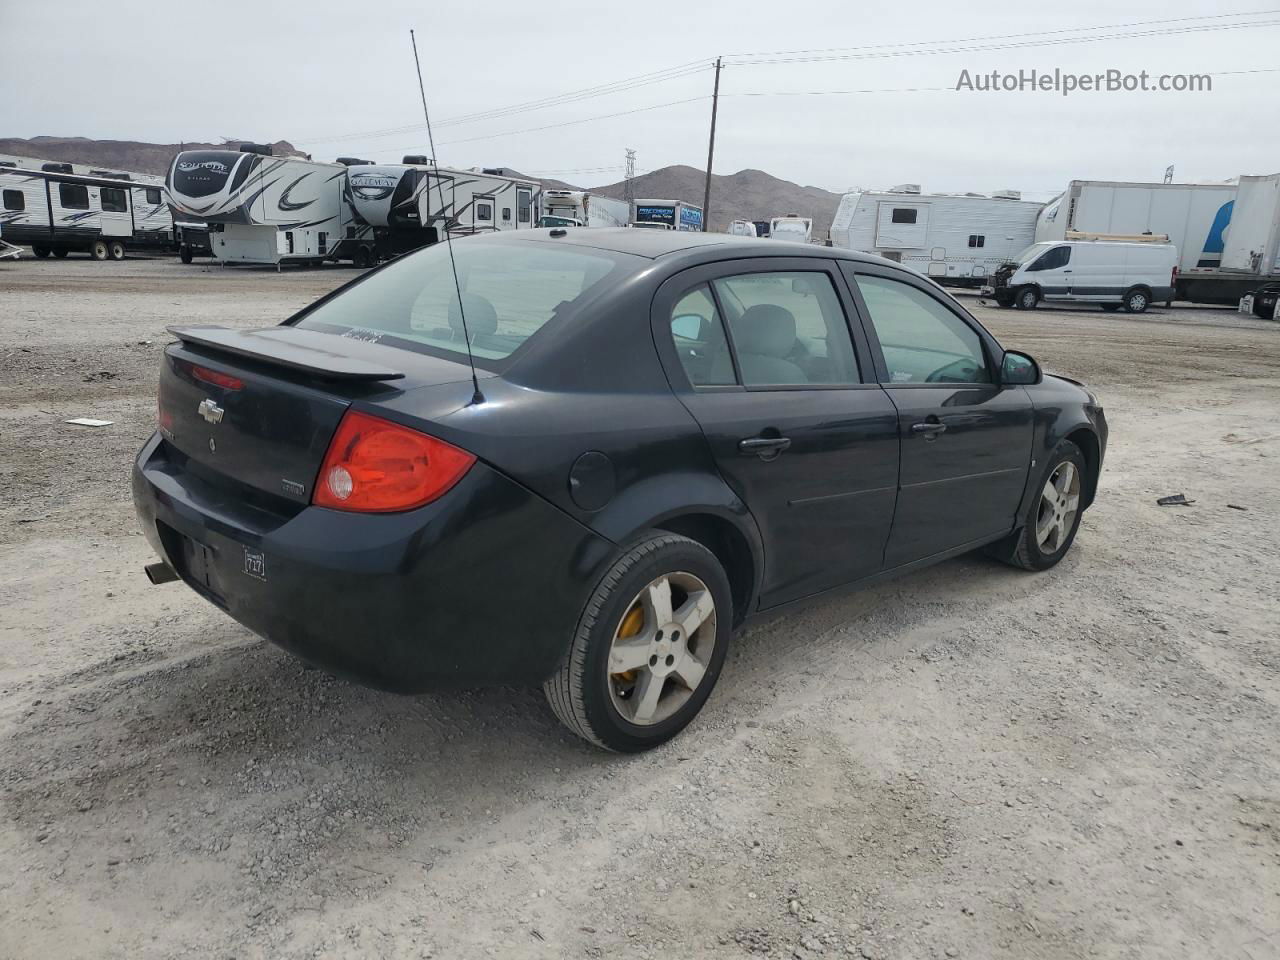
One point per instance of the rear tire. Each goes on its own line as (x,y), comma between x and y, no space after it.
(116,249)
(668,675)
(184,253)
(1137,300)
(1052,519)
(61,253)
(99,250)
(41,252)
(1027,298)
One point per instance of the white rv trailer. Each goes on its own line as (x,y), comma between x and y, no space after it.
(957,239)
(583,209)
(58,207)
(405,206)
(265,209)
(794,228)
(741,228)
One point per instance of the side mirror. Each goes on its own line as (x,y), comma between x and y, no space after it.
(1018,370)
(687,326)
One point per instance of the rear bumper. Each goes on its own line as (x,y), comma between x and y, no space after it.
(483,586)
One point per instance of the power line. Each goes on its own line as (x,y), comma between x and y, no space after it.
(570,123)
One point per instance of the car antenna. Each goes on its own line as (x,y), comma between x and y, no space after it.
(477,396)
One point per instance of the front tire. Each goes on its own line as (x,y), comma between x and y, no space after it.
(648,648)
(61,253)
(98,250)
(1027,298)
(41,252)
(1054,516)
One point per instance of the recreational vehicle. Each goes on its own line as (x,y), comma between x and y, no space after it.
(58,208)
(264,209)
(742,228)
(675,214)
(400,207)
(580,208)
(958,240)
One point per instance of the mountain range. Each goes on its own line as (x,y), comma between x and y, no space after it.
(746,195)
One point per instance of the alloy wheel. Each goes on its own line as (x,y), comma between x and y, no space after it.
(661,648)
(1059,504)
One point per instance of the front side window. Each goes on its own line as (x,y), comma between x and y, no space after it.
(14,200)
(922,341)
(508,295)
(698,333)
(788,329)
(73,196)
(904,215)
(113,200)
(1052,259)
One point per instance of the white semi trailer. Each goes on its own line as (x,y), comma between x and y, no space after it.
(562,208)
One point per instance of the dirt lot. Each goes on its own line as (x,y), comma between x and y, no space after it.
(971,761)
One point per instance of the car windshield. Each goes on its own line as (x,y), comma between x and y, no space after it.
(509,292)
(1030,253)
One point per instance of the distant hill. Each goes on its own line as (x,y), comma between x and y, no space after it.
(130,155)
(745,195)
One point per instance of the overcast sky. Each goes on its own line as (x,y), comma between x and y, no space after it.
(316,72)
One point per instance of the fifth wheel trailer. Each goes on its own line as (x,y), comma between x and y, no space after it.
(957,239)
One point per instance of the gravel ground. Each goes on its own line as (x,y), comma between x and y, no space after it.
(970,761)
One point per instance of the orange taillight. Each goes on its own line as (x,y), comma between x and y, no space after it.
(375,466)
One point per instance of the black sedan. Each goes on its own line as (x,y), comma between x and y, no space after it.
(654,436)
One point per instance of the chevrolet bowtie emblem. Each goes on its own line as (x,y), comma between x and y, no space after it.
(210,411)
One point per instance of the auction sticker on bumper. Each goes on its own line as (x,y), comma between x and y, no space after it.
(255,564)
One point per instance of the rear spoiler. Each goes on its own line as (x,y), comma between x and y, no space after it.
(305,350)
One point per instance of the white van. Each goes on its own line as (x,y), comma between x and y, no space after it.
(742,228)
(791,227)
(1112,273)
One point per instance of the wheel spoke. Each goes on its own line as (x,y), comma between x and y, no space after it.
(1071,504)
(630,654)
(1066,474)
(1044,528)
(647,692)
(694,612)
(690,671)
(657,602)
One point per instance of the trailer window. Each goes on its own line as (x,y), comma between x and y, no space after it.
(14,200)
(524,204)
(904,215)
(153,195)
(977,240)
(73,196)
(484,211)
(113,201)
(506,214)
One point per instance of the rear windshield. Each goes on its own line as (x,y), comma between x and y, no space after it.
(509,292)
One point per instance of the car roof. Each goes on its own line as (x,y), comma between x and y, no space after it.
(652,244)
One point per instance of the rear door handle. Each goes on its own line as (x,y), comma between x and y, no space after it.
(929,427)
(766,448)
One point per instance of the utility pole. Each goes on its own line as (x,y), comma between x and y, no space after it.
(628,188)
(711,151)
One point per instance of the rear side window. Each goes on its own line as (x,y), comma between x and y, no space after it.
(788,329)
(698,333)
(922,341)
(73,196)
(113,200)
(509,292)
(153,195)
(1052,259)
(14,200)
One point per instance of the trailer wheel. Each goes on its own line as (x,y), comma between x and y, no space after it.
(363,256)
(61,253)
(98,250)
(184,253)
(1027,298)
(116,249)
(40,252)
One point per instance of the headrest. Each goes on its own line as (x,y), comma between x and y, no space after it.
(482,319)
(766,329)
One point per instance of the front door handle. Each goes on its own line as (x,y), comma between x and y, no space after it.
(766,448)
(930,427)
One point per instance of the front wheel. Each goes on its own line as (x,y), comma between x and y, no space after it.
(1054,516)
(1027,298)
(61,253)
(648,648)
(99,250)
(40,252)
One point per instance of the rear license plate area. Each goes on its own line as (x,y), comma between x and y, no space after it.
(193,561)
